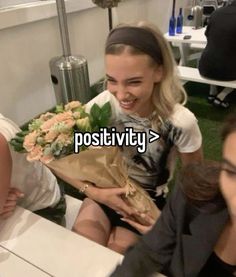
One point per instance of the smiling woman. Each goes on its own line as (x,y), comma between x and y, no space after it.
(145,95)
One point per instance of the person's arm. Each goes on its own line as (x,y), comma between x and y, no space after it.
(111,197)
(5,171)
(154,251)
(189,140)
(196,156)
(10,204)
(143,229)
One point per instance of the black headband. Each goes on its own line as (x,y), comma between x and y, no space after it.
(137,37)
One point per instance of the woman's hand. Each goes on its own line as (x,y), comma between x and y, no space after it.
(13,195)
(111,197)
(143,229)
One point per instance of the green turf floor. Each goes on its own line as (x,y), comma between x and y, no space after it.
(210,118)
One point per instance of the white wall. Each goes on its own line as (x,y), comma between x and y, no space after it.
(25,51)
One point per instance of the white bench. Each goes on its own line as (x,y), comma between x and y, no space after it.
(72,208)
(192,74)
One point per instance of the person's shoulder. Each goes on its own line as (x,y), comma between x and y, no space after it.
(182,117)
(8,128)
(224,12)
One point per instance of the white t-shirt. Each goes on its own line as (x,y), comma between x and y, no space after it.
(35,180)
(154,168)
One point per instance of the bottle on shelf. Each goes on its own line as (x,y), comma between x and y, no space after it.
(179,27)
(172,22)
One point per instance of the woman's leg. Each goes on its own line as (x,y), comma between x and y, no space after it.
(212,93)
(92,222)
(220,99)
(121,239)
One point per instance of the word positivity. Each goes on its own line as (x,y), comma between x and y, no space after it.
(111,137)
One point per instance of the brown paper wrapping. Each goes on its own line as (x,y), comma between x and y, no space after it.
(104,167)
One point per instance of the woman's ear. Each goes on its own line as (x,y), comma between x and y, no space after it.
(158,74)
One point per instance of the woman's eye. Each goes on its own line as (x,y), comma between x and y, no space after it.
(134,83)
(111,81)
(229,172)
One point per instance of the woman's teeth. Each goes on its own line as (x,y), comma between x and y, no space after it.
(127,103)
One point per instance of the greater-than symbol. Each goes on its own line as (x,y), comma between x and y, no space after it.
(154,135)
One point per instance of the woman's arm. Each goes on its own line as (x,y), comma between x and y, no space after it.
(5,171)
(111,197)
(143,229)
(155,250)
(10,204)
(196,156)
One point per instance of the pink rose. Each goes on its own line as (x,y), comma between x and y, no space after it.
(30,140)
(66,118)
(47,159)
(47,125)
(50,136)
(64,139)
(46,116)
(72,105)
(35,154)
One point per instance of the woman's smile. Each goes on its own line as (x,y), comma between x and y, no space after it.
(128,104)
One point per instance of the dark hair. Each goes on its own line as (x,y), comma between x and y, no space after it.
(136,37)
(200,182)
(229,126)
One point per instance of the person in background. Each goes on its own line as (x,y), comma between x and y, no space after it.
(28,184)
(196,232)
(144,93)
(218,60)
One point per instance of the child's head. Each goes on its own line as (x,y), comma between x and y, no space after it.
(141,70)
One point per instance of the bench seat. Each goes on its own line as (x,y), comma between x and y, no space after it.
(192,74)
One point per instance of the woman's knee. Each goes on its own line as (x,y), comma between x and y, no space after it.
(121,239)
(92,222)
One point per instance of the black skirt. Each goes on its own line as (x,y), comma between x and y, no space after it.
(115,218)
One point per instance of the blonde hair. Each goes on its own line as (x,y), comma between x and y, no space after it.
(169,91)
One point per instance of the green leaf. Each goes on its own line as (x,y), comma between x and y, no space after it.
(22,133)
(95,111)
(106,109)
(105,115)
(100,117)
(19,139)
(95,117)
(18,147)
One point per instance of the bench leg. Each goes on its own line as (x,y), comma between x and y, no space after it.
(184,53)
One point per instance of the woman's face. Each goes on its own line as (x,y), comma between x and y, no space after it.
(228,173)
(131,79)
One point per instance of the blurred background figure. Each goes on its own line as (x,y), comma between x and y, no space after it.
(196,232)
(218,60)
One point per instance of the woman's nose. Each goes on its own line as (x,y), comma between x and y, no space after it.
(121,92)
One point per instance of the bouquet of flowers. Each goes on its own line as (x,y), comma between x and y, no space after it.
(50,139)
(51,135)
